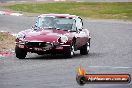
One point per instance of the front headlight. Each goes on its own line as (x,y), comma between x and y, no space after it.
(63,39)
(20,35)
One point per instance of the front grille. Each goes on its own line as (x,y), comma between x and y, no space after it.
(38,44)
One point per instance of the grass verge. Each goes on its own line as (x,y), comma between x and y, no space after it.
(115,10)
(7,41)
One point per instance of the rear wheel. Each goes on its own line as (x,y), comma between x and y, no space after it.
(85,48)
(20,53)
(69,51)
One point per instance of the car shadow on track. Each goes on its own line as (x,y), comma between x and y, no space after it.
(91,55)
(50,57)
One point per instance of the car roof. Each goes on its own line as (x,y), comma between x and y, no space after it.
(59,15)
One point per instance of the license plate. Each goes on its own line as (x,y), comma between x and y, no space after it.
(38,49)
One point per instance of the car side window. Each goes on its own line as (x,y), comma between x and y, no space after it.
(79,23)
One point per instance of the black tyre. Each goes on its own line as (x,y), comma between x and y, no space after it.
(20,53)
(68,51)
(85,49)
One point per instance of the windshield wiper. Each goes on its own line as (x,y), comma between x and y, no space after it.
(49,28)
(52,28)
(56,28)
(62,29)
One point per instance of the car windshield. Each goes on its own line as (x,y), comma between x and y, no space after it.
(55,22)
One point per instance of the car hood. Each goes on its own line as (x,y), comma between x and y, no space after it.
(49,35)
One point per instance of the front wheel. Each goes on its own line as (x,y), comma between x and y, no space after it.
(85,49)
(20,53)
(69,51)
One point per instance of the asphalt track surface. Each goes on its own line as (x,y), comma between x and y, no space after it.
(111,52)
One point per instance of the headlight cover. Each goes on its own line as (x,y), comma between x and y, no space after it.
(63,39)
(20,35)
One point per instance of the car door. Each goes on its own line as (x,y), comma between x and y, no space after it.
(80,39)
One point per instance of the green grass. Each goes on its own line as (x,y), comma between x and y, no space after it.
(91,10)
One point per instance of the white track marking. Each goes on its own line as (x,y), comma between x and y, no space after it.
(10,13)
(13,34)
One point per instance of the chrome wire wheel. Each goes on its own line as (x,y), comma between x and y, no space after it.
(72,50)
(88,46)
(85,49)
(69,51)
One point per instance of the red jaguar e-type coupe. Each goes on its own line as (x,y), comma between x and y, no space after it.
(54,34)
